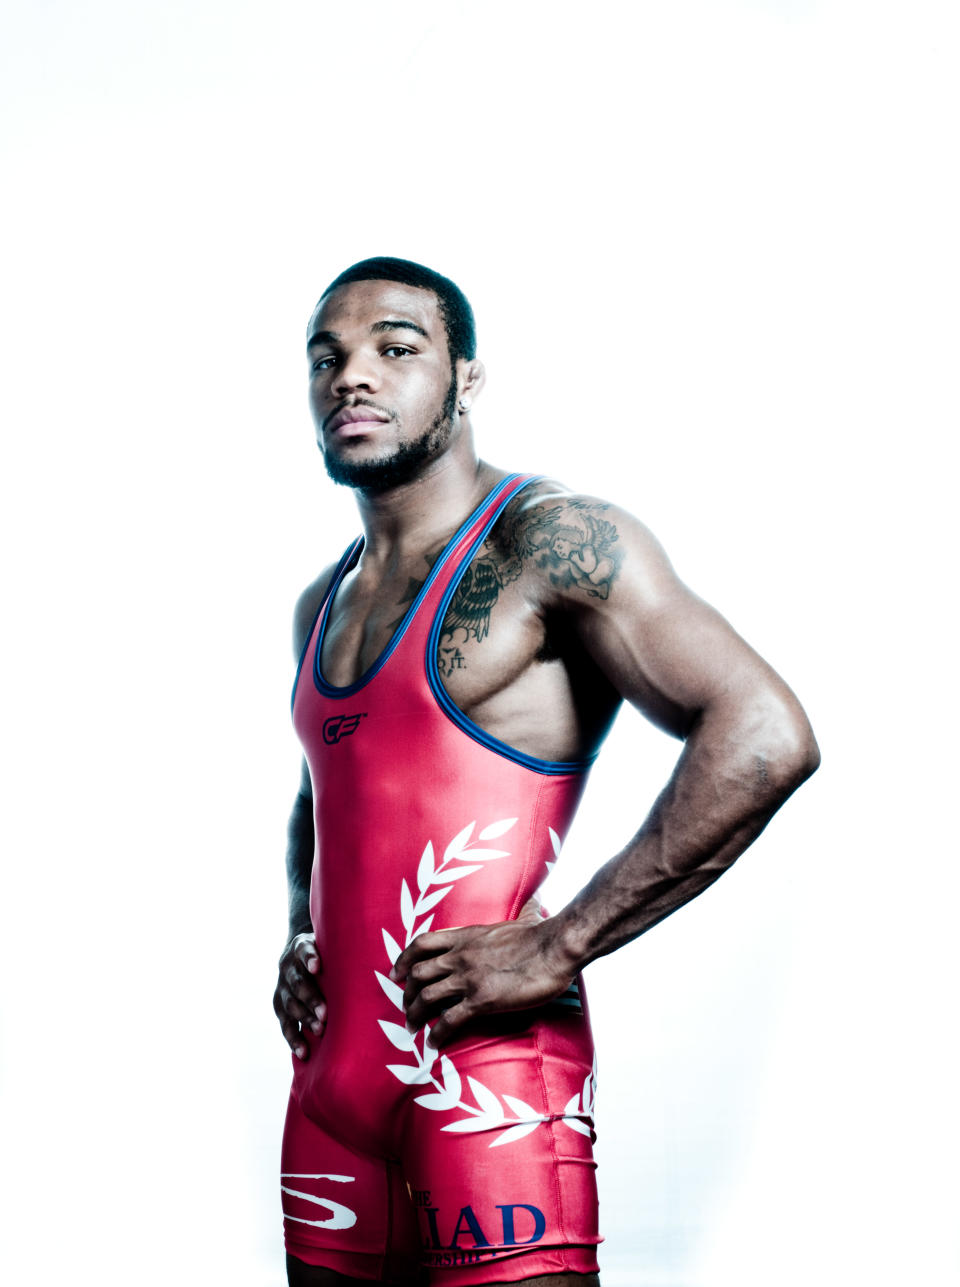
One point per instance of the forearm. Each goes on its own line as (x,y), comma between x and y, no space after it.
(736,770)
(298,1001)
(300,842)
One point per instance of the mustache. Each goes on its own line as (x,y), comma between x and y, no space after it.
(357,402)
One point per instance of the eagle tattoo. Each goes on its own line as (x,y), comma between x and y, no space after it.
(568,539)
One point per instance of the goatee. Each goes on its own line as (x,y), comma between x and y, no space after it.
(406,460)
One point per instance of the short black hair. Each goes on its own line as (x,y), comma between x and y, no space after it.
(454,306)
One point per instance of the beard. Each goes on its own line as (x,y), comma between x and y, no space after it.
(405,461)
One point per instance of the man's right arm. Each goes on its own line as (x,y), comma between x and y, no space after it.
(298,1000)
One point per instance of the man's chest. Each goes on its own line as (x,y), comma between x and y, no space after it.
(488,631)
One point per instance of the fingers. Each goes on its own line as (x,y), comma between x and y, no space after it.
(298,1001)
(441,990)
(290,1028)
(422,947)
(302,988)
(423,973)
(299,967)
(296,1019)
(312,1012)
(426,1002)
(453,977)
(305,950)
(439,981)
(447,1026)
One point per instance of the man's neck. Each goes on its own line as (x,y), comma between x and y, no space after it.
(417,515)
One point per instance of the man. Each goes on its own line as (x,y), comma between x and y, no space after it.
(459,668)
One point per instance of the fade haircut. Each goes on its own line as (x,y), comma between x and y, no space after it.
(454,307)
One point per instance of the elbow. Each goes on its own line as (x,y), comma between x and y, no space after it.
(803,759)
(811,760)
(789,753)
(784,747)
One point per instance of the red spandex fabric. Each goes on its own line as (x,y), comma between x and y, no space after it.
(476,1162)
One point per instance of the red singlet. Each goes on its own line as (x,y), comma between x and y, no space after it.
(476,1162)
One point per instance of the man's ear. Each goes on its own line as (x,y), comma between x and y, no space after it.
(471,378)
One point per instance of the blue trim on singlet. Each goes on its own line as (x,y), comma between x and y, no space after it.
(346,560)
(329,690)
(445,702)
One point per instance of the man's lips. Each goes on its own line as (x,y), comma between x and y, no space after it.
(358,419)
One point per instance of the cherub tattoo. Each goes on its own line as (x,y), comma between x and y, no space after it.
(573,541)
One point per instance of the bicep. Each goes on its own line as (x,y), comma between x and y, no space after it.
(662,647)
(304,619)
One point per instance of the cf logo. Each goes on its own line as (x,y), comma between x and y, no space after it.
(341,726)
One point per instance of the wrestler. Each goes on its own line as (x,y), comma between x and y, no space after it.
(458,670)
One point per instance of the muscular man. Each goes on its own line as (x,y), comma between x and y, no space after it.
(459,668)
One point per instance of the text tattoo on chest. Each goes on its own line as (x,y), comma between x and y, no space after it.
(570,540)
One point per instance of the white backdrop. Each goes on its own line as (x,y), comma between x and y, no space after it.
(738,218)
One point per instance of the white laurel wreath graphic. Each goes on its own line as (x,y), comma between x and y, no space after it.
(581,1105)
(489,1112)
(555,845)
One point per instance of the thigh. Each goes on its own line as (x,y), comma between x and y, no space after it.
(300,1274)
(501,1172)
(346,1215)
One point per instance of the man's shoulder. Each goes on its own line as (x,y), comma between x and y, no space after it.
(547,499)
(567,542)
(307,607)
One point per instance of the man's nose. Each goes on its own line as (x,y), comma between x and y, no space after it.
(355,372)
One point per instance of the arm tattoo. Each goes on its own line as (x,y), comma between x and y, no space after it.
(572,543)
(568,539)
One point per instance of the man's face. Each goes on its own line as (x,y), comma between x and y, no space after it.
(382,392)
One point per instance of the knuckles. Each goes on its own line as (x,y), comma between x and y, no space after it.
(425,943)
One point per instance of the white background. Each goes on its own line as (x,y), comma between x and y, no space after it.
(733,221)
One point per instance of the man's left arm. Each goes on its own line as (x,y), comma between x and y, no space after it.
(748,746)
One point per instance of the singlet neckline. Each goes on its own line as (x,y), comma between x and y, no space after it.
(349,561)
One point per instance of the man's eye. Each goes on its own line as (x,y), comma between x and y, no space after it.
(397,350)
(323,364)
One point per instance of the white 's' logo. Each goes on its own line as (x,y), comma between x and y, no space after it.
(340,1217)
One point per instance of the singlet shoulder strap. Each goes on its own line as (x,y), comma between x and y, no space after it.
(465,542)
(449,567)
(460,559)
(347,560)
(417,619)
